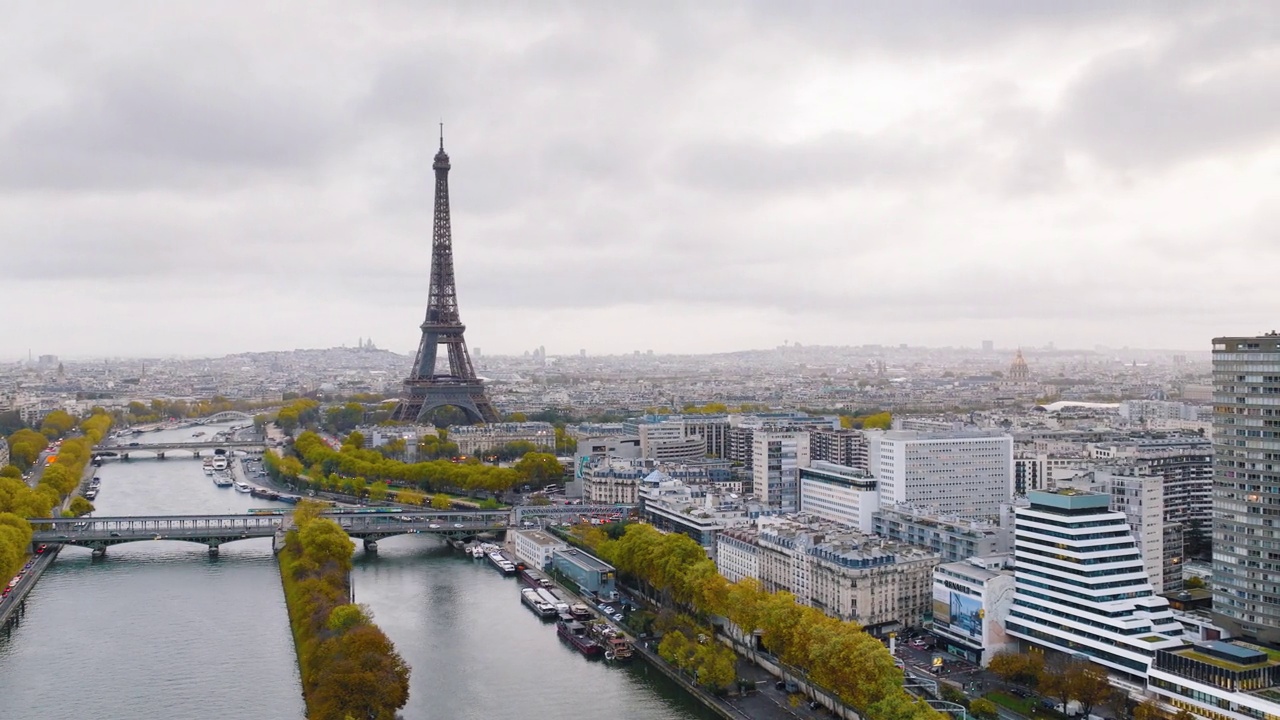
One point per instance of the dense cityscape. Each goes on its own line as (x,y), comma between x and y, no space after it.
(1054,495)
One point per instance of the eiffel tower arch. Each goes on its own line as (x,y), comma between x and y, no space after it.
(428,387)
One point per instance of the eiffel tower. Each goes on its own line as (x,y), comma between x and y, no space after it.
(425,389)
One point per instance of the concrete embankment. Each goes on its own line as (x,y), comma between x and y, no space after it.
(13,607)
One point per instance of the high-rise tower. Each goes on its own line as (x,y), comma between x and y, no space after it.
(1246,486)
(425,389)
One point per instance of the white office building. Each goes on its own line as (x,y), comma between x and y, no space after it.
(961,474)
(1081,588)
(840,493)
(777,456)
(535,547)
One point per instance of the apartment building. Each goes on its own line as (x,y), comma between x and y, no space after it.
(962,474)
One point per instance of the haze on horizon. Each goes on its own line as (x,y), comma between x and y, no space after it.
(202,179)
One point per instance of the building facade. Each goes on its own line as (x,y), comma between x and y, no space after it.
(840,493)
(845,447)
(535,547)
(777,456)
(1246,486)
(1080,588)
(881,585)
(953,539)
(964,474)
(971,601)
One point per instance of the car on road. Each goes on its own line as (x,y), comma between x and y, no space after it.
(607,609)
(457,524)
(41,549)
(115,534)
(434,526)
(617,617)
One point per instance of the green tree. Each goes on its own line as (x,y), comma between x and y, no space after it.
(537,468)
(80,506)
(440,501)
(57,424)
(984,709)
(11,471)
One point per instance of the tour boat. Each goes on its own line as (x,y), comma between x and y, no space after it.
(505,566)
(243,487)
(219,463)
(222,480)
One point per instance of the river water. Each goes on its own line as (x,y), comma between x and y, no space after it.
(161,630)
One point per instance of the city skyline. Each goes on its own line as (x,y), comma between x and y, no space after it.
(215,182)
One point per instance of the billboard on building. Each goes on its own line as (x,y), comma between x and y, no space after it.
(961,613)
(966,615)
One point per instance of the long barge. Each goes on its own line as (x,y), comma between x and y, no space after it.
(540,607)
(575,633)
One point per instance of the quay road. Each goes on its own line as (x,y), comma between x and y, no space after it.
(99,533)
(13,605)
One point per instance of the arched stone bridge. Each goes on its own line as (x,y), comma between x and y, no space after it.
(99,533)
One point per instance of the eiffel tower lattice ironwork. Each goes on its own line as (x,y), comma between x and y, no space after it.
(425,389)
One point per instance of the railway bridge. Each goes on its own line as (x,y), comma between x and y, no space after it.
(99,533)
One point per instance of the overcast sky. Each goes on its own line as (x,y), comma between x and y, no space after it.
(204,178)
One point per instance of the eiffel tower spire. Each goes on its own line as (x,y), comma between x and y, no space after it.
(426,388)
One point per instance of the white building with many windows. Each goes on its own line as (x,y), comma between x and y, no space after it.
(962,474)
(840,493)
(1081,588)
(536,547)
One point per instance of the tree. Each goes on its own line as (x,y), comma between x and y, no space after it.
(57,424)
(984,709)
(1194,583)
(1089,686)
(538,468)
(11,471)
(1024,669)
(80,506)
(440,501)
(1148,709)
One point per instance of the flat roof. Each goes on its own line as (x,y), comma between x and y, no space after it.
(583,560)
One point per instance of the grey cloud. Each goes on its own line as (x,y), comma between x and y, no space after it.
(1152,106)
(138,126)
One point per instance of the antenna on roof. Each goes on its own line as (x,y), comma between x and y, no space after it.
(442,135)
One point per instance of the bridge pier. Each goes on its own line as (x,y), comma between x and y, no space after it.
(99,550)
(370,545)
(160,455)
(213,551)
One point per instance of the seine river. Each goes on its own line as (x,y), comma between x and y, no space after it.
(160,630)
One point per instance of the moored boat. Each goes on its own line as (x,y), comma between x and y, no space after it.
(616,647)
(575,633)
(222,480)
(505,566)
(243,487)
(534,603)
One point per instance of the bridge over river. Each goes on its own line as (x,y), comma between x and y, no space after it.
(158,450)
(99,533)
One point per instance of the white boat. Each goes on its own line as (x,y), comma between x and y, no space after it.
(243,487)
(222,480)
(219,463)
